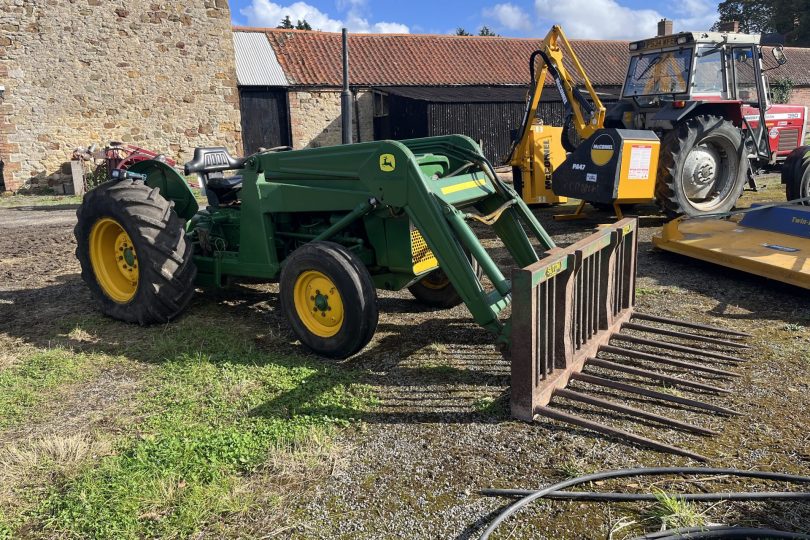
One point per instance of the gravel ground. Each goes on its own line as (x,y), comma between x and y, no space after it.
(411,468)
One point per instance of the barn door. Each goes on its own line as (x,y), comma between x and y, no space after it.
(265,118)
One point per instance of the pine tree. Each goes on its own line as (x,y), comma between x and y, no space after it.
(461,32)
(286,23)
(485,31)
(303,25)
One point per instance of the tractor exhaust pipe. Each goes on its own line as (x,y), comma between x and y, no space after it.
(346,95)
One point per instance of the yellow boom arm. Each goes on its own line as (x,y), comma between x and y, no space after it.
(588,117)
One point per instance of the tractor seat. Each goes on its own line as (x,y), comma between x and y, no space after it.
(213,159)
(225,188)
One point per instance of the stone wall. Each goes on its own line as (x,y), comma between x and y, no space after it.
(152,73)
(315,117)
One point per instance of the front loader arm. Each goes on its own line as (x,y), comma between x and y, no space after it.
(588,117)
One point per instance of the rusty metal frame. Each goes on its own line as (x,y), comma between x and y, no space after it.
(566,310)
(565,307)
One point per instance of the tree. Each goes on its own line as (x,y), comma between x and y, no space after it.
(286,23)
(781,90)
(461,32)
(303,25)
(789,18)
(754,16)
(485,31)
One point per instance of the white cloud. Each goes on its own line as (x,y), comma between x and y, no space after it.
(608,19)
(265,13)
(598,19)
(695,15)
(391,28)
(509,16)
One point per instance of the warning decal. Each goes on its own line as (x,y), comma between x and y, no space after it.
(640,157)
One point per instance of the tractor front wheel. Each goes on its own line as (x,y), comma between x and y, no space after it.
(329,299)
(702,169)
(796,174)
(133,253)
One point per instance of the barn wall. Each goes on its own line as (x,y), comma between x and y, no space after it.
(154,73)
(315,117)
(801,96)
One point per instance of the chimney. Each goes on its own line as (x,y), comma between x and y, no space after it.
(728,26)
(664,27)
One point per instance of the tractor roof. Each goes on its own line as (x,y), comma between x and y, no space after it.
(689,38)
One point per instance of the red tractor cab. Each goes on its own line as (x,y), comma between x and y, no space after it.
(706,96)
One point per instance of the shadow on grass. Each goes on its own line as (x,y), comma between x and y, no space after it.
(243,326)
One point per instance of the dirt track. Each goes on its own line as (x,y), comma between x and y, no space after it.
(442,429)
(36,245)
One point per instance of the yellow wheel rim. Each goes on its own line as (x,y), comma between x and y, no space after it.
(114,260)
(436,280)
(318,303)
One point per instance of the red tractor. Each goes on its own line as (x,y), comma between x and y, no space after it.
(706,96)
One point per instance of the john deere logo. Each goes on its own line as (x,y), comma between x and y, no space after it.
(388,162)
(602,149)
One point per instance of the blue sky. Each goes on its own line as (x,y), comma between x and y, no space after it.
(586,19)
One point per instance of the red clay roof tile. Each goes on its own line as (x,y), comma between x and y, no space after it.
(312,58)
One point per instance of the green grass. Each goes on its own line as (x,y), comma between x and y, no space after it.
(26,384)
(793,327)
(216,408)
(15,201)
(574,468)
(673,512)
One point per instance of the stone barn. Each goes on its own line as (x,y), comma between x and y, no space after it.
(158,74)
(411,85)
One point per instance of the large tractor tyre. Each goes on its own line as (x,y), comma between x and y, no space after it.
(435,290)
(796,174)
(329,299)
(134,253)
(702,168)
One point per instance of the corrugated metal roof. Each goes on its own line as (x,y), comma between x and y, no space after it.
(256,62)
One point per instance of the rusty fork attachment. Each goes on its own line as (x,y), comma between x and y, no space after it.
(574,320)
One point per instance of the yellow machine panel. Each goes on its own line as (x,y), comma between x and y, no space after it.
(544,154)
(638,171)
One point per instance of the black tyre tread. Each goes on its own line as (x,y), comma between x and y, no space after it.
(674,143)
(349,340)
(166,281)
(789,172)
(370,323)
(794,170)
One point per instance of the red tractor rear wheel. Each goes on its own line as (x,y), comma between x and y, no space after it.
(702,167)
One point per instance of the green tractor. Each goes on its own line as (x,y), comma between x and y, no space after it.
(331,225)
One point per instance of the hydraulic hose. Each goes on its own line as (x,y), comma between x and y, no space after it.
(652,471)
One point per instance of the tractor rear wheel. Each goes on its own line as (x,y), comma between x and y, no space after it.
(702,167)
(329,299)
(134,253)
(435,290)
(796,174)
